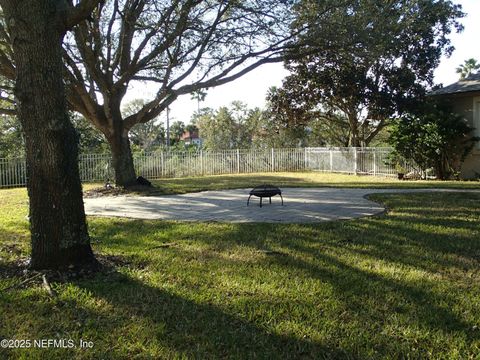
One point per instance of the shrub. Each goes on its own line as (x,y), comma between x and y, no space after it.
(433,137)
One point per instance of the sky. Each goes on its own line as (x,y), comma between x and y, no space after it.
(467,44)
(252,88)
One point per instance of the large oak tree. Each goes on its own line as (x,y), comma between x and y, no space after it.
(177,46)
(36,29)
(367,60)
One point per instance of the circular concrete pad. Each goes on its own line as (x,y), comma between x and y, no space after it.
(301,205)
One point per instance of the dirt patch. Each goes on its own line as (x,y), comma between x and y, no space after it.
(24,277)
(135,190)
(12,249)
(110,262)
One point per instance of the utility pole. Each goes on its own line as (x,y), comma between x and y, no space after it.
(168,127)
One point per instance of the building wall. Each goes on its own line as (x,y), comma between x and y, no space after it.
(468,105)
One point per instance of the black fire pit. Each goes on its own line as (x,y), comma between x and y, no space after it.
(265,191)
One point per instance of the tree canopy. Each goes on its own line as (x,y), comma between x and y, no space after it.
(232,127)
(179,47)
(11,139)
(366,60)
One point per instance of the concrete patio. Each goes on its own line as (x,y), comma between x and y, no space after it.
(301,205)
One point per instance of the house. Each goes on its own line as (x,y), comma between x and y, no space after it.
(465,98)
(191,138)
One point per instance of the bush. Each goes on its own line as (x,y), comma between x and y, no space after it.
(434,137)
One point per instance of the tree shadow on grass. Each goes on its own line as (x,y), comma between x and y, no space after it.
(357,287)
(371,303)
(198,330)
(127,318)
(409,243)
(302,252)
(150,322)
(326,253)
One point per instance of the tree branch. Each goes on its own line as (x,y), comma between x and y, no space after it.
(78,13)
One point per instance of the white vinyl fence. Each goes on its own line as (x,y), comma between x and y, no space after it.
(97,167)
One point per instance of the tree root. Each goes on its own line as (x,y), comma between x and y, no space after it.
(47,287)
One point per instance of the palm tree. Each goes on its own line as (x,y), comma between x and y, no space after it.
(198,95)
(469,67)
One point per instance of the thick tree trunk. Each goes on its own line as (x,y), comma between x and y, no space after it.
(354,138)
(58,226)
(122,158)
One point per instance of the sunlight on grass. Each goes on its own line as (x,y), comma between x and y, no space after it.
(401,285)
(300,179)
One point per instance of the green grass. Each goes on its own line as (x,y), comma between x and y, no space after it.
(300,179)
(292,179)
(402,285)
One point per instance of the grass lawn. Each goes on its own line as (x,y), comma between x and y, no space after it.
(402,285)
(299,179)
(291,179)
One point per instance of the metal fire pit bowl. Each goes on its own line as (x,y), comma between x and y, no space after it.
(265,190)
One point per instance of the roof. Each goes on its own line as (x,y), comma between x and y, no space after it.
(471,83)
(190,135)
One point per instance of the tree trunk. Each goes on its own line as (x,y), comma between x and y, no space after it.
(58,226)
(122,157)
(354,138)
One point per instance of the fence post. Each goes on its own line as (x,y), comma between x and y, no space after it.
(374,163)
(238,161)
(201,162)
(273,160)
(355,165)
(162,165)
(305,160)
(331,160)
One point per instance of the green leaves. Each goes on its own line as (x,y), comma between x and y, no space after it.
(469,67)
(434,138)
(366,59)
(231,127)
(11,140)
